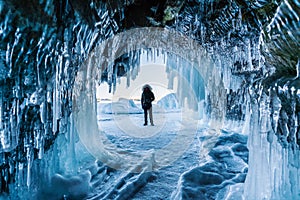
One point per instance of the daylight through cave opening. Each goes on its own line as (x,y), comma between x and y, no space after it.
(197,81)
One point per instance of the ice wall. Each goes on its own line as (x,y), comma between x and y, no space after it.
(274,105)
(262,87)
(42,46)
(273,162)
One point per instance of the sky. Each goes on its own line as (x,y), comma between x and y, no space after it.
(151,72)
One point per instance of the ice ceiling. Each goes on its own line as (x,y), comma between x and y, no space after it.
(253,47)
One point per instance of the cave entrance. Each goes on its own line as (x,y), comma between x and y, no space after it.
(187,65)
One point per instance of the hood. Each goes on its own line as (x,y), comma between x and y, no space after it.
(147,86)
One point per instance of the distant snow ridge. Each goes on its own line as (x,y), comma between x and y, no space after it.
(122,106)
(169,102)
(127,106)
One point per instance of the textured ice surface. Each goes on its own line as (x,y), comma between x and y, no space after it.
(218,178)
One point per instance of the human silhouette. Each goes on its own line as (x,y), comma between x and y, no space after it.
(146,100)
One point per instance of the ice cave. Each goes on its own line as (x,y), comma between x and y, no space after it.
(226,75)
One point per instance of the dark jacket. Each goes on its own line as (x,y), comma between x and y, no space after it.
(147,98)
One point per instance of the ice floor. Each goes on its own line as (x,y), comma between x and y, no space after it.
(203,166)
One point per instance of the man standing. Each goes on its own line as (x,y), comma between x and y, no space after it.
(147,98)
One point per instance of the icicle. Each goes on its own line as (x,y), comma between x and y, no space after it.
(43,109)
(41,148)
(5,137)
(20,173)
(239,20)
(1,110)
(276,106)
(13,126)
(54,121)
(72,163)
(8,57)
(249,57)
(298,68)
(29,165)
(264,116)
(57,95)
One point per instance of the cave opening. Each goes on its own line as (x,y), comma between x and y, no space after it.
(178,98)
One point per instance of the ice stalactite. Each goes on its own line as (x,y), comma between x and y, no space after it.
(274,169)
(242,67)
(39,58)
(191,87)
(274,146)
